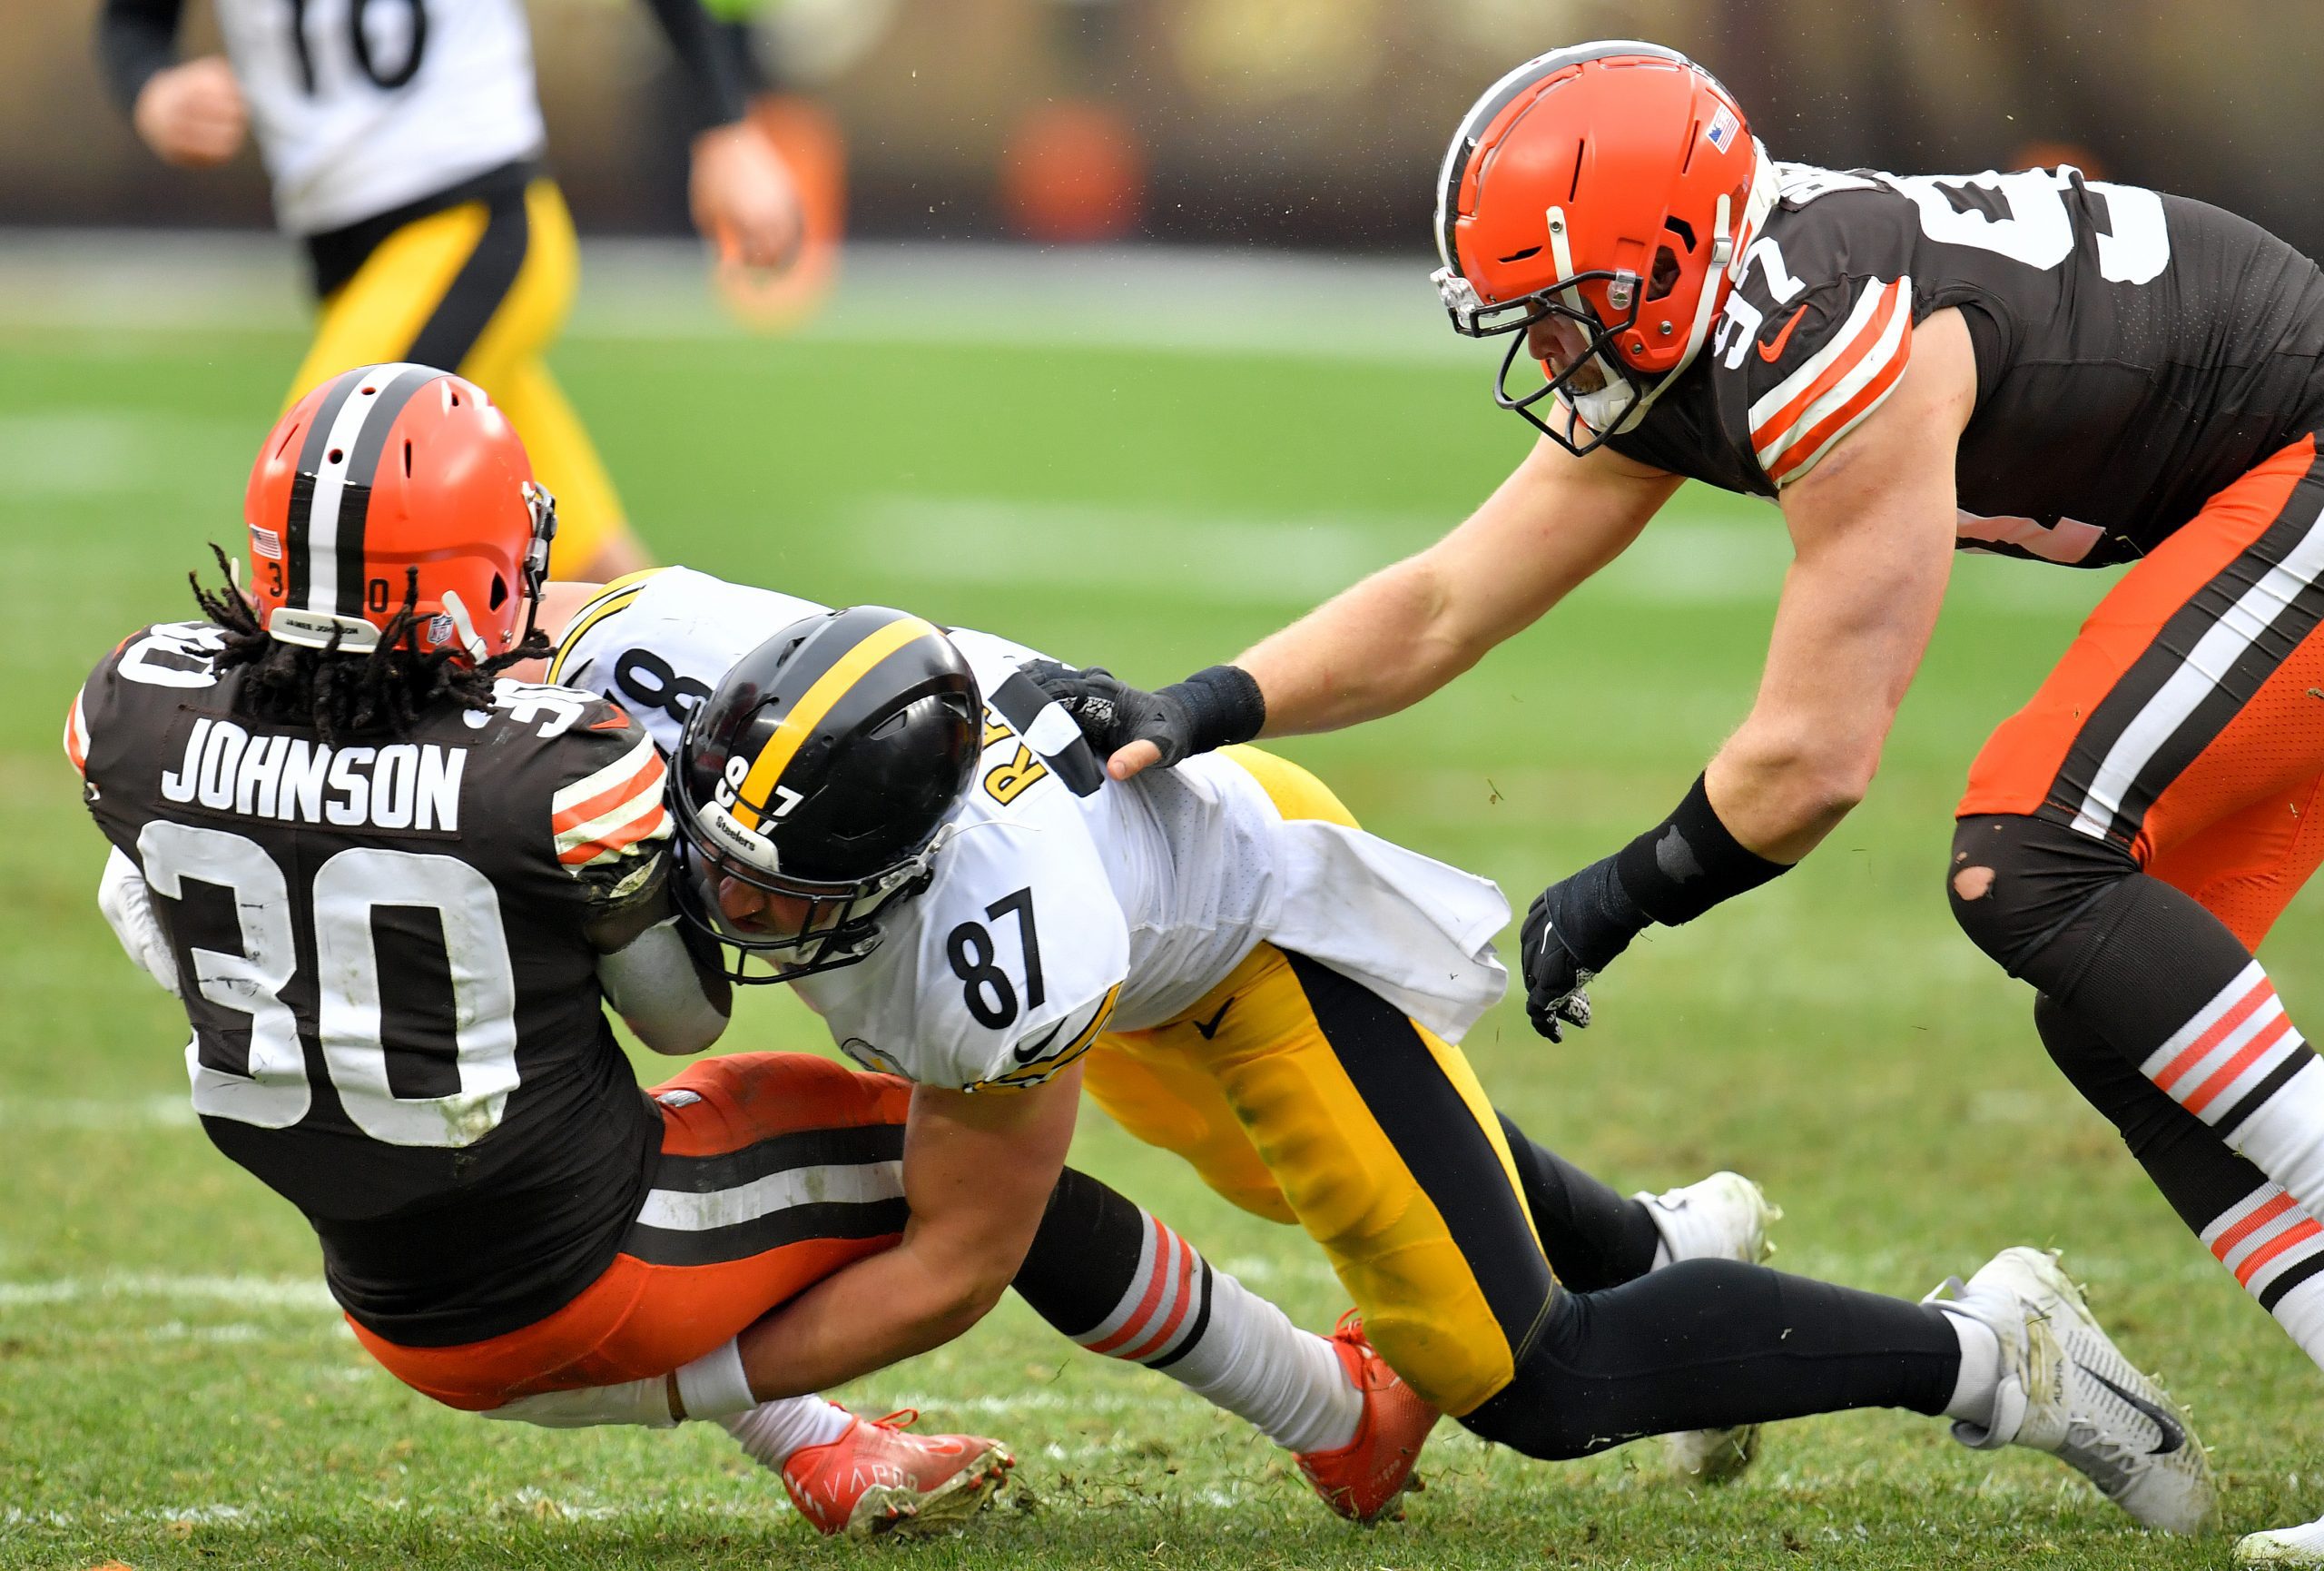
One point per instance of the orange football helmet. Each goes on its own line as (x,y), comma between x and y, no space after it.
(384,469)
(1615,184)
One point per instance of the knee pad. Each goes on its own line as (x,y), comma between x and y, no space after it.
(2016,882)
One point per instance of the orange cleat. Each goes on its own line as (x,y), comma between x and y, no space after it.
(876,1479)
(1363,1479)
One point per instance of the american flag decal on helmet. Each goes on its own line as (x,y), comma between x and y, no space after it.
(1722,128)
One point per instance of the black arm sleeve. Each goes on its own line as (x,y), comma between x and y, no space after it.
(136,38)
(712,57)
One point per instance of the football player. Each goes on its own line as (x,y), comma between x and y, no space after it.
(889,817)
(405,141)
(2034,363)
(394,894)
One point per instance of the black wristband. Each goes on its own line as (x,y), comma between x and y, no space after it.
(1223,705)
(1690,862)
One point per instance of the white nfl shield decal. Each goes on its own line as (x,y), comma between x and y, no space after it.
(439,628)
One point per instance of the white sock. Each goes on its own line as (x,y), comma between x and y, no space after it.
(2274,1247)
(1253,1362)
(2234,1048)
(1205,1330)
(1980,1378)
(770,1431)
(714,1386)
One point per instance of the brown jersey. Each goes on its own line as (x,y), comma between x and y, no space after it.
(2136,351)
(382,949)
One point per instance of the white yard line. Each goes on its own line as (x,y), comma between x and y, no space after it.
(239,1292)
(166,1110)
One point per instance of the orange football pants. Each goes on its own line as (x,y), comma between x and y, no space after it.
(749,1144)
(2238,825)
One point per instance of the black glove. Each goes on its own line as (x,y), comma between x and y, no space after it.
(1209,709)
(1573,931)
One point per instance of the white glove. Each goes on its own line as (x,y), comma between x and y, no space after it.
(646,1402)
(128,905)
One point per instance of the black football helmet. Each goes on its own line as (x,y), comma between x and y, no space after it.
(823,771)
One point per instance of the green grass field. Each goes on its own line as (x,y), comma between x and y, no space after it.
(175,1391)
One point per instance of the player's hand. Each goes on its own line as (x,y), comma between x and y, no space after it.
(1574,929)
(1131,728)
(193,115)
(743,198)
(127,904)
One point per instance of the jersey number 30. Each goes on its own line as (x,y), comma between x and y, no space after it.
(272,1092)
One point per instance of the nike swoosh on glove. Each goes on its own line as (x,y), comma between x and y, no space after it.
(1112,714)
(1573,929)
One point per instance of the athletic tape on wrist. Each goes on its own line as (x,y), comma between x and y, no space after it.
(1690,862)
(713,1386)
(1224,706)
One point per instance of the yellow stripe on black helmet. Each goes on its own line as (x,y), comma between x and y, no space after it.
(822,771)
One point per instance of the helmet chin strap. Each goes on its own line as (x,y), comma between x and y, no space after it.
(463,630)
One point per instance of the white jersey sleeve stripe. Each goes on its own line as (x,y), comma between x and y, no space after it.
(1797,421)
(640,818)
(607,603)
(604,814)
(1083,1033)
(625,776)
(76,735)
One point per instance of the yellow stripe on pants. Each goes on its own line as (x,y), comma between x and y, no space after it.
(379,314)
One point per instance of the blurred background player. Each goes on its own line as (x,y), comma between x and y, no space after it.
(404,145)
(807,136)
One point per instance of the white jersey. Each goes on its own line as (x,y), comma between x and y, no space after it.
(361,106)
(1062,904)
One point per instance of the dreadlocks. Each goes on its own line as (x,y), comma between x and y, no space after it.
(382,693)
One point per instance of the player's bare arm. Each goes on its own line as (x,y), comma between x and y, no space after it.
(1871,530)
(738,189)
(191,113)
(979,1168)
(1405,631)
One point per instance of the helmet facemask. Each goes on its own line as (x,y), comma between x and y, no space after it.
(835,925)
(1594,384)
(1609,190)
(815,786)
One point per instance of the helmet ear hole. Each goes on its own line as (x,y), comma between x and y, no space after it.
(1665,276)
(500,592)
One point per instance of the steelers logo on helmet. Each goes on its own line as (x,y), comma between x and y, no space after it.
(1596,205)
(816,784)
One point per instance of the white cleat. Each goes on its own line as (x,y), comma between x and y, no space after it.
(2300,1546)
(2066,1389)
(1723,1218)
